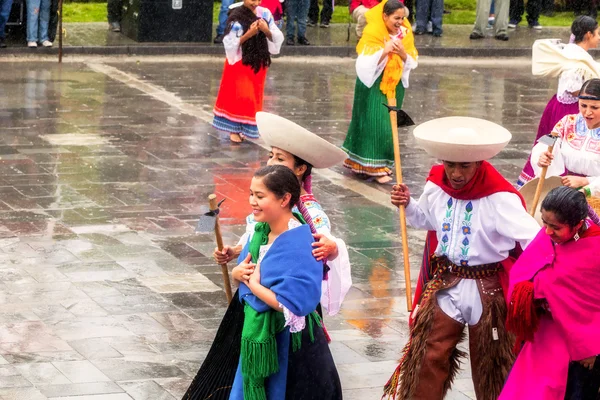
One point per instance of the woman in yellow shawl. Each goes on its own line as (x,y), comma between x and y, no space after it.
(386,55)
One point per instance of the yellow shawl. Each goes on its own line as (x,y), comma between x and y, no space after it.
(373,39)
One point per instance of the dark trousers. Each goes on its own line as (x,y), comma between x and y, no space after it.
(517,8)
(113,7)
(586,7)
(326,12)
(411,9)
(582,383)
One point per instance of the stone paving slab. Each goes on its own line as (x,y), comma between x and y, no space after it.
(339,41)
(105,290)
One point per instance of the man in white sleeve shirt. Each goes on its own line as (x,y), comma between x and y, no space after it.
(475,218)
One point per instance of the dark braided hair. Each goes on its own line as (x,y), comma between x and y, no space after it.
(255,51)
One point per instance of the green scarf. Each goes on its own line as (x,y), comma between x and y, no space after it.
(259,347)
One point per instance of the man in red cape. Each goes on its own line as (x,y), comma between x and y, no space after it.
(475,220)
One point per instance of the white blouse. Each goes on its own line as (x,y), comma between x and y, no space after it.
(577,149)
(231,41)
(368,67)
(470,233)
(572,80)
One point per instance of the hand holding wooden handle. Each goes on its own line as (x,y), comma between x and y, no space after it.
(214,206)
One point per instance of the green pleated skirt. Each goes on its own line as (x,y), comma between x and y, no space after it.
(369,142)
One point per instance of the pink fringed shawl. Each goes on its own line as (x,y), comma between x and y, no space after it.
(568,277)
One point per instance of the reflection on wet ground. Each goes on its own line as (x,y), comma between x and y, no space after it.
(105,288)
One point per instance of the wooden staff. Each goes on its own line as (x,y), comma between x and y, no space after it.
(396,141)
(60,30)
(540,185)
(212,200)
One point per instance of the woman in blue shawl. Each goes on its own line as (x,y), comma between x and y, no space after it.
(270,344)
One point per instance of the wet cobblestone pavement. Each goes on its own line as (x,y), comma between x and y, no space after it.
(106,292)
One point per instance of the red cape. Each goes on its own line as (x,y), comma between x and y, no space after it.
(486,182)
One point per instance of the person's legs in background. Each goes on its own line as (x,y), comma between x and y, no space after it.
(223,13)
(113,8)
(534,8)
(481,17)
(437,15)
(291,11)
(423,10)
(517,8)
(411,12)
(43,24)
(491,18)
(33,16)
(313,13)
(302,15)
(501,25)
(5,6)
(326,13)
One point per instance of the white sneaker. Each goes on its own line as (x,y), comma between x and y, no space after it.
(429,28)
(32,44)
(512,25)
(47,43)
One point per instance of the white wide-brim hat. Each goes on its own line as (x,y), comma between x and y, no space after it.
(528,193)
(286,135)
(461,139)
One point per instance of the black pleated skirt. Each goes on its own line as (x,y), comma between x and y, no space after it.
(312,374)
(582,383)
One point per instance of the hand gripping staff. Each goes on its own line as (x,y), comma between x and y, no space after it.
(399,118)
(209,222)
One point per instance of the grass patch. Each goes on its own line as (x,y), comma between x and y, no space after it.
(84,12)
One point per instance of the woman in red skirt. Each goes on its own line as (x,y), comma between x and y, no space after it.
(251,37)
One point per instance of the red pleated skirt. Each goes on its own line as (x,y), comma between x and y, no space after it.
(240,98)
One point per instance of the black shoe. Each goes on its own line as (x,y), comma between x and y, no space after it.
(419,32)
(324,25)
(290,42)
(503,37)
(310,23)
(437,34)
(475,36)
(2,43)
(219,39)
(303,41)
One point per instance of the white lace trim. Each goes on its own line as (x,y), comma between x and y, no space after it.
(296,323)
(569,81)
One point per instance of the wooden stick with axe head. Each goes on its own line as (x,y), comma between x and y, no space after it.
(549,140)
(209,222)
(399,118)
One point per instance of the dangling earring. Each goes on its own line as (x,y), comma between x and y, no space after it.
(576,237)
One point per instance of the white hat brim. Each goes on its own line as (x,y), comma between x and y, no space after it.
(528,193)
(461,139)
(286,135)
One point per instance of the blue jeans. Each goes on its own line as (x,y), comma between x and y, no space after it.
(5,6)
(430,10)
(223,16)
(38,17)
(297,10)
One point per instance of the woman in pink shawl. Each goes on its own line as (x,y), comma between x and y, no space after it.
(555,305)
